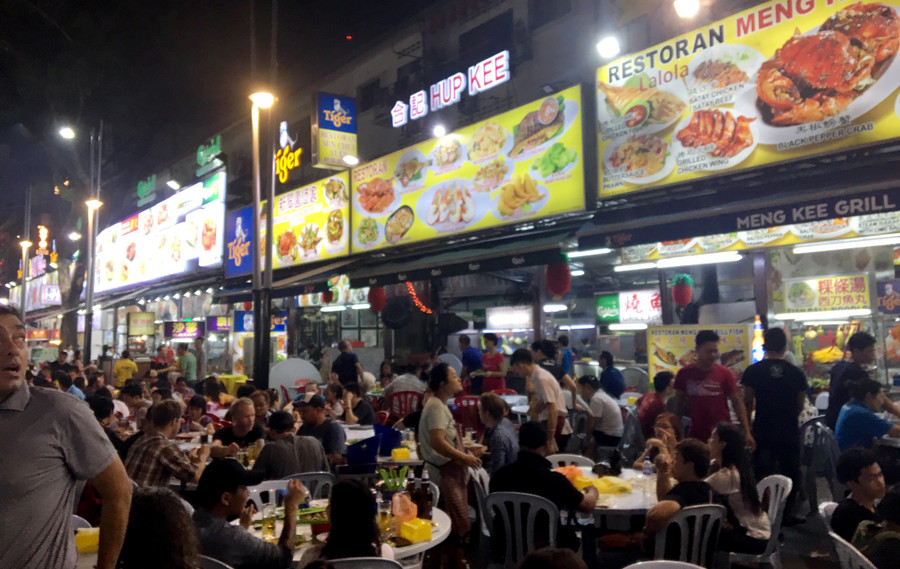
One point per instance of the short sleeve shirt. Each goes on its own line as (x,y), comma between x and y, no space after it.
(153,461)
(847,517)
(57,441)
(227,436)
(124,370)
(708,392)
(188,366)
(612,382)
(775,385)
(471,359)
(345,367)
(492,362)
(690,493)
(364,412)
(436,416)
(329,433)
(857,425)
(607,415)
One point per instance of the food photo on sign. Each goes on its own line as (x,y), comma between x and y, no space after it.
(523,164)
(776,82)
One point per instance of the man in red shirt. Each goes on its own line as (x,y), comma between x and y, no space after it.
(708,387)
(652,403)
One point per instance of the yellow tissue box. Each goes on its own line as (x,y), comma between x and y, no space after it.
(400,454)
(416,530)
(87,540)
(605,485)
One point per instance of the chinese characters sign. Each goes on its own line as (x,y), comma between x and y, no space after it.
(141,323)
(670,348)
(184,329)
(336,130)
(218,323)
(638,306)
(830,293)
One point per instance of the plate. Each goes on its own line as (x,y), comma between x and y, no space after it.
(388,208)
(379,235)
(426,202)
(491,184)
(713,164)
(339,246)
(534,208)
(447,142)
(416,181)
(500,151)
(337,202)
(668,165)
(613,127)
(535,172)
(570,115)
(312,252)
(878,92)
(745,58)
(391,234)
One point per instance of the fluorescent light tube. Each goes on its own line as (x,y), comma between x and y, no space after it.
(588,253)
(634,267)
(882,240)
(824,314)
(628,326)
(691,260)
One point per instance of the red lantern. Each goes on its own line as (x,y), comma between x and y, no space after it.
(327,296)
(248,306)
(559,279)
(682,289)
(377,298)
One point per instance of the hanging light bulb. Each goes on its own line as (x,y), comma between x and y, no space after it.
(687,8)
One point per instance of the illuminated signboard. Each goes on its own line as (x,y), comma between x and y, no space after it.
(176,330)
(849,292)
(335,133)
(521,165)
(179,235)
(207,154)
(636,306)
(146,190)
(239,240)
(889,297)
(482,76)
(287,159)
(753,89)
(141,323)
(243,321)
(509,318)
(218,323)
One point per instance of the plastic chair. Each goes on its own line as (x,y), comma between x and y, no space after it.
(580,435)
(826,510)
(269,488)
(518,512)
(467,414)
(318,484)
(435,492)
(399,404)
(663,564)
(80,523)
(285,395)
(826,446)
(809,461)
(779,487)
(849,556)
(365,563)
(481,480)
(636,379)
(632,443)
(504,391)
(381,417)
(698,529)
(205,562)
(567,459)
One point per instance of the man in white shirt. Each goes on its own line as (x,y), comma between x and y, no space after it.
(606,417)
(409,381)
(550,407)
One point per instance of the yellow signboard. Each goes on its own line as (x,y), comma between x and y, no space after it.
(311,223)
(141,323)
(780,81)
(524,164)
(849,292)
(670,348)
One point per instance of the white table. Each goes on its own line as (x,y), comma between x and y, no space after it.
(510,400)
(618,513)
(358,433)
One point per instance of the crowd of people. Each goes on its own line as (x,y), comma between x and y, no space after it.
(123,442)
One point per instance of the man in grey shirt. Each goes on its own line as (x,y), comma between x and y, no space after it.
(51,441)
(286,453)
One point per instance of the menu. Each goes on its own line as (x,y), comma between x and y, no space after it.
(850,292)
(776,82)
(670,348)
(524,164)
(176,236)
(311,223)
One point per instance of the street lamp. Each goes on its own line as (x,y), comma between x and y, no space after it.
(25,243)
(261,294)
(67,132)
(92,206)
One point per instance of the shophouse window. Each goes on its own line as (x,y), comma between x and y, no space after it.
(541,12)
(489,38)
(367,94)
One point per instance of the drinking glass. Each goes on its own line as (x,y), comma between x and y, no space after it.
(385,519)
(268,519)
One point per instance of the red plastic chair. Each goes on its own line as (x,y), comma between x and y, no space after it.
(492,384)
(381,417)
(466,414)
(285,394)
(504,391)
(401,403)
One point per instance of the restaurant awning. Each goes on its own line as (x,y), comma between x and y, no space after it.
(304,282)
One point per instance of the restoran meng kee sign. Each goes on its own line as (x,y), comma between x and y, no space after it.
(783,80)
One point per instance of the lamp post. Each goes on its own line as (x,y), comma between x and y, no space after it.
(25,243)
(262,295)
(92,206)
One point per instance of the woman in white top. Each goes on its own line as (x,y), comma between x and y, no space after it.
(747,528)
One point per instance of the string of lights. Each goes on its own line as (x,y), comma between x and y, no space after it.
(415,298)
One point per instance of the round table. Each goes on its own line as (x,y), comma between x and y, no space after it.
(617,509)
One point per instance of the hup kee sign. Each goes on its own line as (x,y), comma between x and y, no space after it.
(482,76)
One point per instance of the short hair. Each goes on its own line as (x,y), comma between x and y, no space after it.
(537,346)
(104,392)
(198,402)
(240,401)
(343,345)
(493,405)
(490,337)
(164,392)
(705,336)
(548,349)
(6,309)
(532,435)
(353,387)
(164,412)
(336,388)
(132,389)
(281,422)
(259,393)
(860,341)
(774,340)
(180,379)
(101,406)
(589,380)
(662,380)
(80,382)
(607,357)
(63,378)
(853,461)
(865,386)
(564,341)
(697,453)
(521,356)
(464,340)
(160,348)
(246,390)
(126,354)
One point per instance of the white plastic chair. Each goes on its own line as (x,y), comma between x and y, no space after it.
(481,481)
(663,564)
(318,484)
(365,563)
(435,492)
(210,563)
(80,523)
(698,531)
(826,510)
(779,487)
(270,488)
(849,556)
(518,512)
(568,459)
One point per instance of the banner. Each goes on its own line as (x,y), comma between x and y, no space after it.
(670,348)
(239,240)
(141,323)
(521,165)
(335,130)
(218,323)
(850,292)
(243,321)
(782,80)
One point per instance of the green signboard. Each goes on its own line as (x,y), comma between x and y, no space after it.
(607,308)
